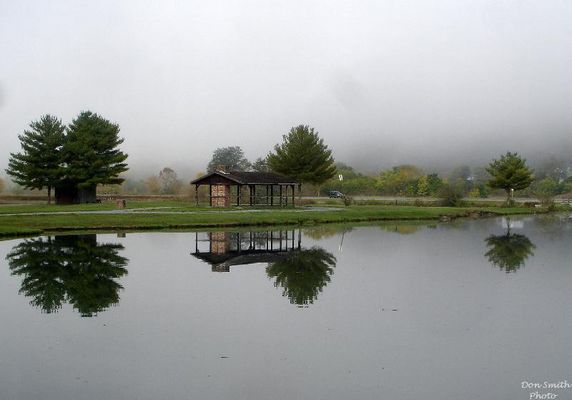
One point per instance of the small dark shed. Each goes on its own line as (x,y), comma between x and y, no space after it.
(66,195)
(70,194)
(264,188)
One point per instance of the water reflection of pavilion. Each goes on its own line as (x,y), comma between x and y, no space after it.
(223,249)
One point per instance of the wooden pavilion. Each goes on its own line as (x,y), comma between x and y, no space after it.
(264,188)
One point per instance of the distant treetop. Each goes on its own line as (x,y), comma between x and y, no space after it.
(232,158)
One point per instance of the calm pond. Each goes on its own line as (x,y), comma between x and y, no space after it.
(466,310)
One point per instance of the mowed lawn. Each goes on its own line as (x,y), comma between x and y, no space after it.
(17,220)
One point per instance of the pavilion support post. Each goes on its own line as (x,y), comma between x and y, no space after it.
(197,194)
(280,193)
(271,195)
(210,195)
(237,195)
(267,199)
(293,196)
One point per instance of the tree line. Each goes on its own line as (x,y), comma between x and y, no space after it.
(509,173)
(85,154)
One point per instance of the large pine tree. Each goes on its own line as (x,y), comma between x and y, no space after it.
(303,156)
(38,166)
(91,152)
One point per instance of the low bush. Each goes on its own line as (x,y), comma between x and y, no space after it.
(451,196)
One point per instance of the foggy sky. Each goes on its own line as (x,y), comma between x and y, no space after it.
(384,82)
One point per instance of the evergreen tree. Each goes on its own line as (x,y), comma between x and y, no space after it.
(510,173)
(91,152)
(38,166)
(303,156)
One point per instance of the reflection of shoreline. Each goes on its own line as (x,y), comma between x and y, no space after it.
(301,273)
(510,251)
(73,269)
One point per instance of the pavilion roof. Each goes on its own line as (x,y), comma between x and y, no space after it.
(248,178)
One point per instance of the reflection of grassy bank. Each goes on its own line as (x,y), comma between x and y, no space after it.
(403,228)
(14,225)
(13,231)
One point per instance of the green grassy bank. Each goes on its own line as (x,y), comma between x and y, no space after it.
(17,221)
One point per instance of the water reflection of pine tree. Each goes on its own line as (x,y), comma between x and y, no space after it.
(73,269)
(302,274)
(509,251)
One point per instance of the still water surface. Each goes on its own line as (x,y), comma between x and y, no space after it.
(467,310)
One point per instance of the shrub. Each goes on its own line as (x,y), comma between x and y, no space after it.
(451,195)
(552,207)
(545,191)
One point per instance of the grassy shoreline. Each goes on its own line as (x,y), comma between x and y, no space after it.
(190,217)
